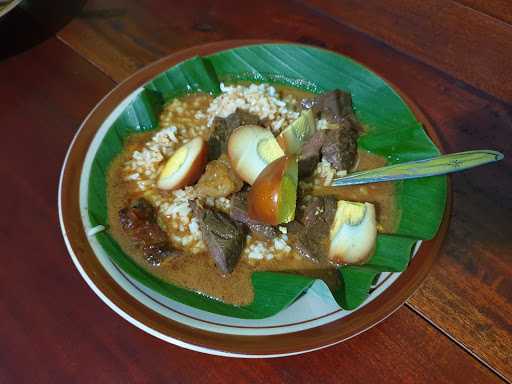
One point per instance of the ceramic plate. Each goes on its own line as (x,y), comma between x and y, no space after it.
(315,320)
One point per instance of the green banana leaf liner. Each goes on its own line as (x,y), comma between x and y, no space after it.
(391,131)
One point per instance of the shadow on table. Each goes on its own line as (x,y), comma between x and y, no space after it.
(34,21)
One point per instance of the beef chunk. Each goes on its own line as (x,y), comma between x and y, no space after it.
(319,210)
(217,143)
(340,147)
(310,244)
(337,146)
(241,117)
(140,212)
(308,163)
(239,209)
(139,222)
(309,233)
(335,106)
(222,129)
(156,253)
(224,237)
(239,213)
(266,123)
(310,155)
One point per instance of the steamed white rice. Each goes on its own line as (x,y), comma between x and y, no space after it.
(262,100)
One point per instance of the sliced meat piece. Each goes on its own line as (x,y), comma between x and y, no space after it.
(222,128)
(300,207)
(309,233)
(266,123)
(340,148)
(319,211)
(224,237)
(335,106)
(263,230)
(239,208)
(310,155)
(314,144)
(217,142)
(219,179)
(154,254)
(239,213)
(140,212)
(139,222)
(307,164)
(241,117)
(309,243)
(293,228)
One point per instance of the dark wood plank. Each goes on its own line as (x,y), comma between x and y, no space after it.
(32,22)
(476,261)
(54,329)
(464,42)
(499,9)
(477,255)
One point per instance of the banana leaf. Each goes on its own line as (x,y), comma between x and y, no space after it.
(391,131)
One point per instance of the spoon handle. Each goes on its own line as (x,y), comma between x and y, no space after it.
(434,166)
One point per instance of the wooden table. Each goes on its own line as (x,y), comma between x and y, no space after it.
(454,58)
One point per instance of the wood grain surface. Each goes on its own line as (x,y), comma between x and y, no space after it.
(499,9)
(476,260)
(468,44)
(54,329)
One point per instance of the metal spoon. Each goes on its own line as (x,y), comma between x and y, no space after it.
(439,165)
